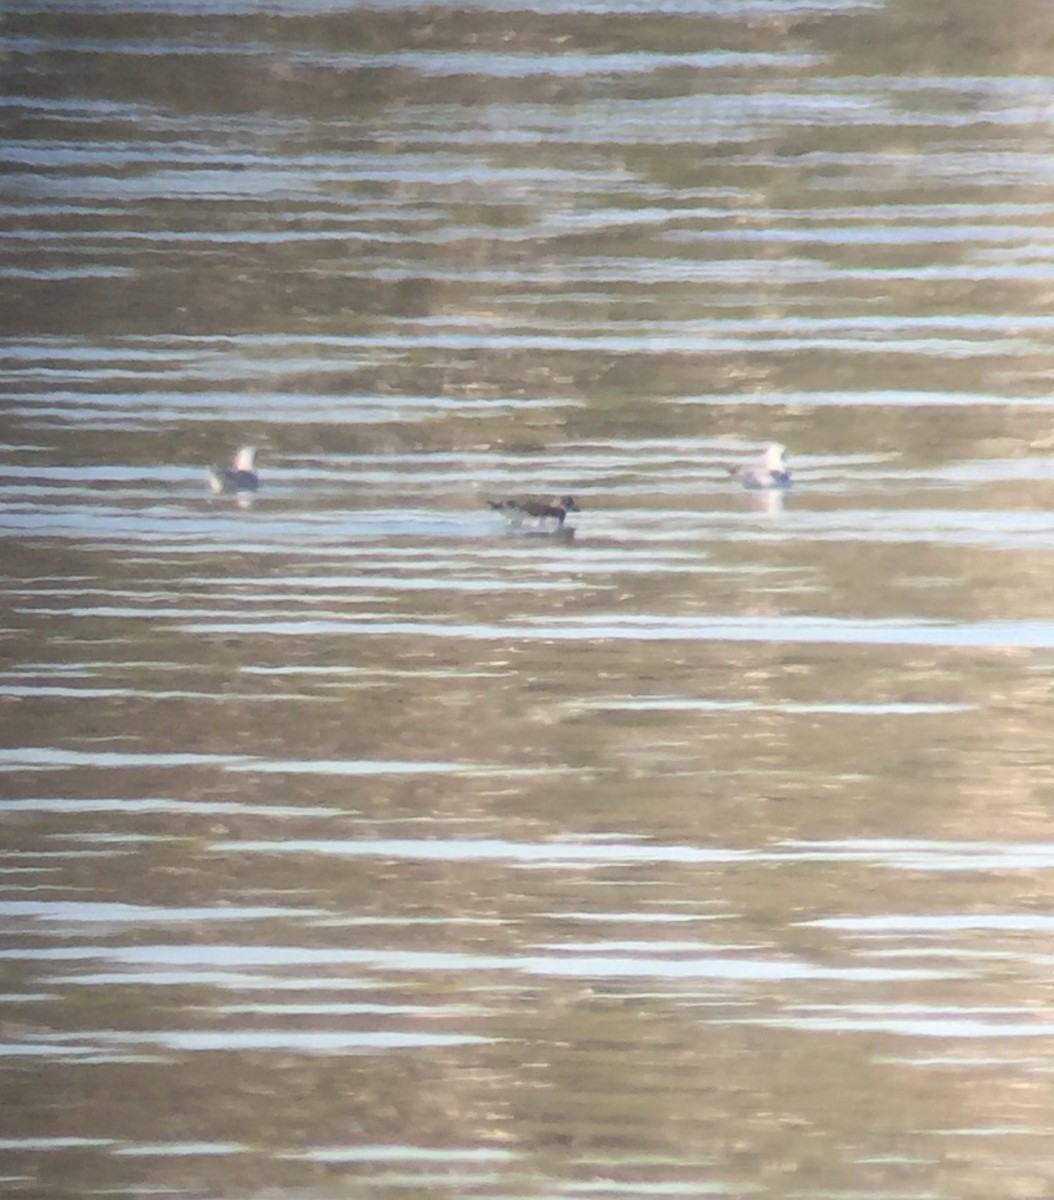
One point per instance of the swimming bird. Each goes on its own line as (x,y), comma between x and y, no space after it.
(770,470)
(517,508)
(240,476)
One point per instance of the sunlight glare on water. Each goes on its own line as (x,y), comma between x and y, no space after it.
(687,840)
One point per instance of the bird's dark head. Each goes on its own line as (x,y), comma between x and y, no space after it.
(567,503)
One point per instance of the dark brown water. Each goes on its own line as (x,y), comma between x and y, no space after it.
(358,845)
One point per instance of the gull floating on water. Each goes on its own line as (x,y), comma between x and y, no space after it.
(240,476)
(518,508)
(769,470)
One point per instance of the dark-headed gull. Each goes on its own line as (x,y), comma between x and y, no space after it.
(518,508)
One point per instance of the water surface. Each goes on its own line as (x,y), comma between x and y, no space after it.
(356,842)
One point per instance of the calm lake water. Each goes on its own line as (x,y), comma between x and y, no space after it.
(356,844)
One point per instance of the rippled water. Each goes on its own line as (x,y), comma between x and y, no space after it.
(359,843)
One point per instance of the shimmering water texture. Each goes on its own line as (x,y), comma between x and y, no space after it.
(362,839)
